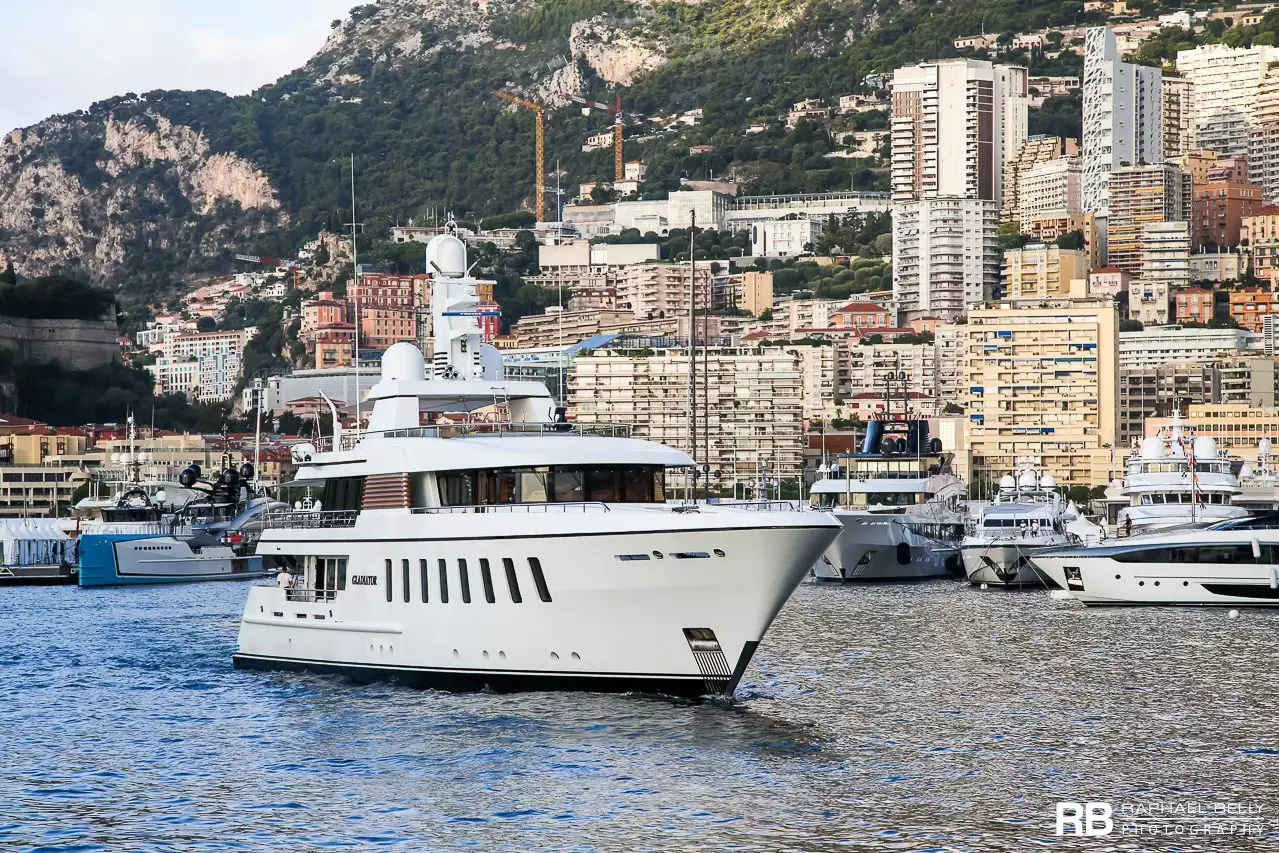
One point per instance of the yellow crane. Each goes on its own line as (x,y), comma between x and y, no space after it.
(538,109)
(619,163)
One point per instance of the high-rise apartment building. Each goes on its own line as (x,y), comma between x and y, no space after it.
(1177,115)
(955,122)
(1263,151)
(1260,233)
(1052,189)
(1122,116)
(205,366)
(1147,392)
(945,256)
(1165,267)
(1034,151)
(1040,271)
(1225,81)
(1140,195)
(1217,212)
(753,404)
(1041,383)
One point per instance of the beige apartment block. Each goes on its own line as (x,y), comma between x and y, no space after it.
(659,290)
(1140,195)
(1041,387)
(1050,189)
(556,327)
(1034,153)
(751,409)
(1041,271)
(1236,427)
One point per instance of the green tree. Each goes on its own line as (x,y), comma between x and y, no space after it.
(9,276)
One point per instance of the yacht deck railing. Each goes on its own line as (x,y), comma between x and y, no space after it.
(303,519)
(489,429)
(576,506)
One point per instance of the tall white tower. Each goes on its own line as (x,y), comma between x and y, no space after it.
(1122,116)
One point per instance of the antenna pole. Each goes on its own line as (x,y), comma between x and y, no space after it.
(355,278)
(692,351)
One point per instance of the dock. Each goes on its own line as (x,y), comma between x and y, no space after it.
(39,575)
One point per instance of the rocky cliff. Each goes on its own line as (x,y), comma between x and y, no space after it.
(138,190)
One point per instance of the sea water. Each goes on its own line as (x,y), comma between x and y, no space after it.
(916,717)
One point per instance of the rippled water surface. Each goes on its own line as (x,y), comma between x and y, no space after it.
(918,717)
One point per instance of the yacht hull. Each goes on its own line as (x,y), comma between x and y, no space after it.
(126,558)
(1101,581)
(882,548)
(607,613)
(1001,564)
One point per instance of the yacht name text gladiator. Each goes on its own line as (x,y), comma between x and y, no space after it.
(513,549)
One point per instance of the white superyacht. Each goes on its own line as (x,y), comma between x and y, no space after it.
(514,550)
(1027,515)
(1233,563)
(900,507)
(1177,479)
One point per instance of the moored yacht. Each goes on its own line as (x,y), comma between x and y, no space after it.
(899,505)
(202,541)
(1026,516)
(1177,479)
(513,549)
(1232,563)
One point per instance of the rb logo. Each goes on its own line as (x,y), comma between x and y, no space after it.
(1091,819)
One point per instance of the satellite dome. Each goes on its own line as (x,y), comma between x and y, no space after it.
(1048,481)
(1264,447)
(403,362)
(1027,479)
(1175,449)
(1205,447)
(1152,447)
(446,256)
(115,457)
(1246,472)
(1007,482)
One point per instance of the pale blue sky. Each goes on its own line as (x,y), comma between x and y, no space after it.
(62,55)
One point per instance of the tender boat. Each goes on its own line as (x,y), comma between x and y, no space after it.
(1232,563)
(512,550)
(1177,479)
(900,507)
(1026,516)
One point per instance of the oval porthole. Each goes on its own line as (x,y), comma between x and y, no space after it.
(719,552)
(1141,583)
(657,554)
(1116,577)
(903,554)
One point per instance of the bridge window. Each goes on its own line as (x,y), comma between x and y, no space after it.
(558,484)
(342,493)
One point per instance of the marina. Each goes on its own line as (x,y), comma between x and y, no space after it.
(961,739)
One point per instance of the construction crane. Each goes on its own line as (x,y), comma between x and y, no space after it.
(537,109)
(619,163)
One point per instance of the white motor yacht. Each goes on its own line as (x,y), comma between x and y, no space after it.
(514,550)
(1177,479)
(1026,516)
(900,507)
(1232,563)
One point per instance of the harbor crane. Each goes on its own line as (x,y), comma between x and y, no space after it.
(540,209)
(619,163)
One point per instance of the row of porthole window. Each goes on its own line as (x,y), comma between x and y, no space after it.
(677,555)
(442,586)
(155,548)
(1143,583)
